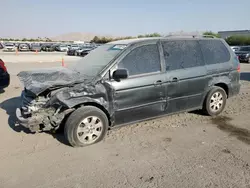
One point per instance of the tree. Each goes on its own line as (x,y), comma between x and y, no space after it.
(149,35)
(238,40)
(95,39)
(210,33)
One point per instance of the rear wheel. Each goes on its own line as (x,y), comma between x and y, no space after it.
(215,101)
(86,126)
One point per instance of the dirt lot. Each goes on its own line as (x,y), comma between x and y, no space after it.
(184,150)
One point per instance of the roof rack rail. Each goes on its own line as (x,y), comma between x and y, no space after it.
(192,36)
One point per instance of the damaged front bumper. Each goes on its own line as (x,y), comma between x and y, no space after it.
(33,114)
(41,120)
(26,122)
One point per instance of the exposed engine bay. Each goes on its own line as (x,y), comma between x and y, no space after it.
(39,115)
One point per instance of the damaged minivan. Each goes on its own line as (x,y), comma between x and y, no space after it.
(127,81)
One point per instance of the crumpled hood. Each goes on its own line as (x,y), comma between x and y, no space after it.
(37,81)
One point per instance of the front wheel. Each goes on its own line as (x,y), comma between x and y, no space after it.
(215,101)
(85,126)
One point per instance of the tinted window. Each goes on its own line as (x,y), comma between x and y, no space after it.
(141,60)
(245,49)
(182,54)
(214,51)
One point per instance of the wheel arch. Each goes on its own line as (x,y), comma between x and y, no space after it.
(97,106)
(220,81)
(223,86)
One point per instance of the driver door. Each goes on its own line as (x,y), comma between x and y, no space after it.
(141,95)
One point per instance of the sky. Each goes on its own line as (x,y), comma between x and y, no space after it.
(48,18)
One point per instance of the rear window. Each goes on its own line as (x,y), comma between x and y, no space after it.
(214,51)
(245,48)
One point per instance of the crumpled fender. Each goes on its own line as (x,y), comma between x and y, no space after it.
(85,93)
(221,79)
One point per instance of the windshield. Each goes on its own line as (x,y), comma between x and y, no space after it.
(9,45)
(93,63)
(245,49)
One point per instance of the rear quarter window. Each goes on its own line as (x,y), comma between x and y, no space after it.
(214,51)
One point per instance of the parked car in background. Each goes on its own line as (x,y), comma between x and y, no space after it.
(74,47)
(48,47)
(147,77)
(23,47)
(71,52)
(62,48)
(86,51)
(1,45)
(35,47)
(54,47)
(9,47)
(81,49)
(243,54)
(235,48)
(4,76)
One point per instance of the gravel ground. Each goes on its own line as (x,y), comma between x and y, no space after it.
(183,150)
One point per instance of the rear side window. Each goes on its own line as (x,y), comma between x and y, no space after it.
(214,51)
(182,54)
(142,60)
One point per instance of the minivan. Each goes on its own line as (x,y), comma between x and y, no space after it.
(127,81)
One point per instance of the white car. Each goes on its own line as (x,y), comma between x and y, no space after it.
(62,48)
(74,47)
(235,48)
(9,47)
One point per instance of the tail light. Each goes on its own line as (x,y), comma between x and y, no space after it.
(238,68)
(2,65)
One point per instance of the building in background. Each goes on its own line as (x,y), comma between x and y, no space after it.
(226,34)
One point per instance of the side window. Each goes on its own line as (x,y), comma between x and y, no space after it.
(141,60)
(181,54)
(214,51)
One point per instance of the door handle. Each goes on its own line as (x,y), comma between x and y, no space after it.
(174,79)
(158,82)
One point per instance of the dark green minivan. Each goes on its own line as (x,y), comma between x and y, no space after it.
(126,81)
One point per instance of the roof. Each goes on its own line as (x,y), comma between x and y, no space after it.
(129,41)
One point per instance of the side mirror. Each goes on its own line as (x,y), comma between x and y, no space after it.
(120,74)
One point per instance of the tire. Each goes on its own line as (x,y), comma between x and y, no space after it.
(74,123)
(219,105)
